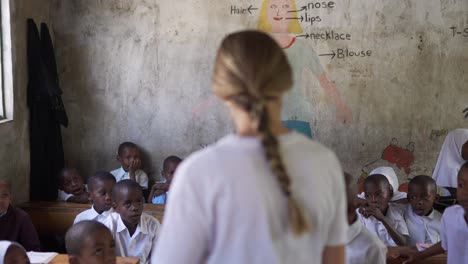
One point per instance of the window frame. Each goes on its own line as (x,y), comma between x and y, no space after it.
(6,70)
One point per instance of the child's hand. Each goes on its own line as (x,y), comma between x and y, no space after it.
(160,187)
(134,165)
(371,211)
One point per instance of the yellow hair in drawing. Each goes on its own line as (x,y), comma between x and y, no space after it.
(265,26)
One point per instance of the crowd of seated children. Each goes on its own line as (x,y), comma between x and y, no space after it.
(380,217)
(159,190)
(362,246)
(422,220)
(12,253)
(90,242)
(72,187)
(134,232)
(15,224)
(128,155)
(100,186)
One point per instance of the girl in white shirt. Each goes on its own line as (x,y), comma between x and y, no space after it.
(263,195)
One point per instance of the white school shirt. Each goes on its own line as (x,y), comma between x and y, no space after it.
(226,205)
(141,243)
(454,234)
(62,196)
(395,219)
(363,247)
(140,176)
(91,214)
(422,229)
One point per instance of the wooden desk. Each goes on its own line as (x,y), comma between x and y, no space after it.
(439,259)
(54,218)
(63,259)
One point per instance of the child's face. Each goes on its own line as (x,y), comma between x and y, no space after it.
(102,195)
(421,198)
(98,248)
(129,206)
(127,156)
(72,182)
(377,195)
(169,170)
(5,197)
(16,255)
(462,190)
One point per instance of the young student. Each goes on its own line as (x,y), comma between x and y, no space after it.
(90,242)
(128,155)
(453,227)
(453,154)
(12,253)
(15,224)
(381,217)
(100,186)
(389,173)
(362,246)
(422,220)
(158,194)
(72,187)
(134,232)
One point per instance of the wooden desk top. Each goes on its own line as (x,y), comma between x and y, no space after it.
(63,259)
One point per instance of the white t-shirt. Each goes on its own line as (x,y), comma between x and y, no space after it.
(422,229)
(140,176)
(62,196)
(226,206)
(395,218)
(363,247)
(454,234)
(141,243)
(91,214)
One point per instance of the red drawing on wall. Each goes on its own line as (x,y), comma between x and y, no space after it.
(403,158)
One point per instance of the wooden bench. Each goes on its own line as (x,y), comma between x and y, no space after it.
(63,259)
(54,218)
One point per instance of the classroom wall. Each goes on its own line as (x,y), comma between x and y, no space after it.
(14,135)
(140,71)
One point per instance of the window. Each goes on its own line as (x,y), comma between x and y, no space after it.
(6,74)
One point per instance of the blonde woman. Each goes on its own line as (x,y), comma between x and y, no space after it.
(263,194)
(277,19)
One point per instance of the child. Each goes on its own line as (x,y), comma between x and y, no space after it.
(100,186)
(158,194)
(15,224)
(72,187)
(378,216)
(129,157)
(134,231)
(90,242)
(11,252)
(362,246)
(389,173)
(453,227)
(422,220)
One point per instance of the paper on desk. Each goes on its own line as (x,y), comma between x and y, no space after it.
(41,257)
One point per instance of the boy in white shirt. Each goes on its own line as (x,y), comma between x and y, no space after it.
(100,186)
(422,220)
(128,155)
(159,191)
(362,246)
(379,216)
(134,232)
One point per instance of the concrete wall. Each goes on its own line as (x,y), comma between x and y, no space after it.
(140,71)
(14,135)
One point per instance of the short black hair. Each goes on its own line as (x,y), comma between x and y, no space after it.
(423,181)
(99,176)
(7,183)
(171,159)
(124,185)
(378,179)
(125,145)
(77,234)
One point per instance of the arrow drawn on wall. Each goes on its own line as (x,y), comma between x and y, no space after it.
(301,18)
(304,8)
(306,36)
(251,8)
(329,54)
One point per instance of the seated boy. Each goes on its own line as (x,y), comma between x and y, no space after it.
(422,220)
(128,155)
(362,246)
(100,186)
(158,194)
(453,227)
(134,231)
(90,242)
(15,224)
(72,187)
(379,216)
